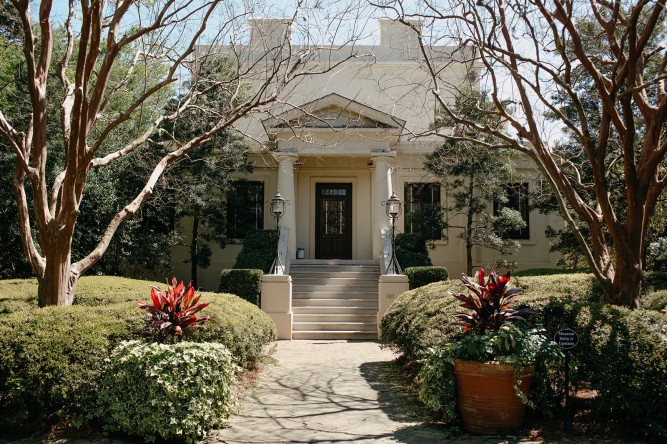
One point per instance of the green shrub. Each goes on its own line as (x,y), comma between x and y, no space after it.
(244,283)
(239,325)
(418,319)
(167,390)
(420,276)
(258,252)
(52,359)
(411,250)
(622,354)
(549,271)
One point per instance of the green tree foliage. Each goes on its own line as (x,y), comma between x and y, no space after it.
(575,164)
(107,190)
(474,176)
(198,181)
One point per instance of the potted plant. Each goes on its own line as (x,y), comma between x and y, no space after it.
(494,356)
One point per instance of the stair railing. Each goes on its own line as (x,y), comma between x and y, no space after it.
(281,264)
(387,265)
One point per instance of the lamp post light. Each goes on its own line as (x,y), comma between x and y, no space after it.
(277,208)
(394,209)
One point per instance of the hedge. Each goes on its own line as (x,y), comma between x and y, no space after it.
(259,250)
(622,354)
(244,283)
(420,276)
(149,390)
(411,250)
(52,359)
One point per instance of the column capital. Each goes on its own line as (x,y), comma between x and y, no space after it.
(382,156)
(286,156)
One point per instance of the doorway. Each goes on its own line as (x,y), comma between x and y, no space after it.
(333,223)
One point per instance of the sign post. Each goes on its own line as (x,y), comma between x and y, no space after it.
(567,339)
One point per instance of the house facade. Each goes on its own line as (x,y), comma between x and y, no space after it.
(348,139)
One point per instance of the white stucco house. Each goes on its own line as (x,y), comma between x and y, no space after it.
(347,143)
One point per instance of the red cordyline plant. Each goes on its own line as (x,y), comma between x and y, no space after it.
(174,310)
(489,301)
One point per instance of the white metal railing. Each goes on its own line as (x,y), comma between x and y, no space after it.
(281,264)
(385,258)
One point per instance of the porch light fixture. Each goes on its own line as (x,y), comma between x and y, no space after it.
(394,208)
(277,208)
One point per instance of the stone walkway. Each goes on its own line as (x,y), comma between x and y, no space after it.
(330,391)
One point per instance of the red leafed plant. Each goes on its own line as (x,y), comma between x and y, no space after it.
(174,310)
(489,302)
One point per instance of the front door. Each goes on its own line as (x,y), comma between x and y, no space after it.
(333,225)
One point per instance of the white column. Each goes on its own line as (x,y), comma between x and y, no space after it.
(382,189)
(286,187)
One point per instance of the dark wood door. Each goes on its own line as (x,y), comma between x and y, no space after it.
(333,223)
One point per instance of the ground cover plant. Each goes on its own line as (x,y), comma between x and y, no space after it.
(621,357)
(53,359)
(167,390)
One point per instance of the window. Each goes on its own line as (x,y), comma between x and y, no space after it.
(517,199)
(245,208)
(422,210)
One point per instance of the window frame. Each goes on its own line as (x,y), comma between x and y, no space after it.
(239,232)
(409,201)
(522,206)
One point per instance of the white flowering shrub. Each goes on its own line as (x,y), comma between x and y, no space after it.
(167,391)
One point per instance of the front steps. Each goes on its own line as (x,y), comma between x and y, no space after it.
(334,299)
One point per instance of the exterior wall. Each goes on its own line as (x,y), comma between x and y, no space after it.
(385,80)
(450,252)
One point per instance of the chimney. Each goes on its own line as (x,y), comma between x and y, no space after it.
(396,35)
(270,32)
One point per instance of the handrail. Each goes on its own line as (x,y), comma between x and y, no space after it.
(385,259)
(283,257)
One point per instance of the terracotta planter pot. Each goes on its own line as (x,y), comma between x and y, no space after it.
(487,401)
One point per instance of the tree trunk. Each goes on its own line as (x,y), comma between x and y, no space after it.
(470,216)
(194,246)
(57,285)
(627,283)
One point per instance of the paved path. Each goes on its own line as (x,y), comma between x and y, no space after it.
(330,391)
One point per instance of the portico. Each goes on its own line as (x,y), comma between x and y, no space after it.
(335,159)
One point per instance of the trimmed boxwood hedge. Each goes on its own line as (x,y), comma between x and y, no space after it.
(420,276)
(244,283)
(52,359)
(411,250)
(259,250)
(622,354)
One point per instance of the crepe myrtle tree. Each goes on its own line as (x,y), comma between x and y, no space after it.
(164,30)
(530,51)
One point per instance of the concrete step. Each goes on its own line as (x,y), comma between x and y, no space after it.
(344,318)
(351,335)
(314,294)
(341,268)
(336,302)
(328,274)
(336,310)
(334,326)
(349,288)
(334,299)
(336,262)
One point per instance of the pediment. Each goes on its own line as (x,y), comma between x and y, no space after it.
(333,112)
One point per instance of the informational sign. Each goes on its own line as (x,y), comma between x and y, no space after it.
(566,338)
